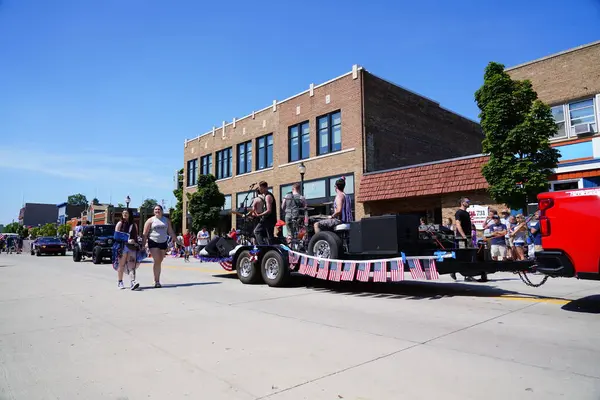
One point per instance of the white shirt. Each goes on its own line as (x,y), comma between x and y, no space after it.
(203,238)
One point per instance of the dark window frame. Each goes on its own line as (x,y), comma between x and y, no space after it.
(206,161)
(265,149)
(224,161)
(247,167)
(329,132)
(300,141)
(189,176)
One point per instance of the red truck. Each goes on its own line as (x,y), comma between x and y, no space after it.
(570,226)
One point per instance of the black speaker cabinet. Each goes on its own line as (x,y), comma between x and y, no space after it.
(356,244)
(389,234)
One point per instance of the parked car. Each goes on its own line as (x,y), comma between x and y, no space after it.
(48,245)
(96,242)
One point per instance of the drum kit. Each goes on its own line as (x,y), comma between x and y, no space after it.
(303,226)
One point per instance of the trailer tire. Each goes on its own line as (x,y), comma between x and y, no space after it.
(247,271)
(325,244)
(274,269)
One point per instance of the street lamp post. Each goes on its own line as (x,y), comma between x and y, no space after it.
(127,200)
(302,170)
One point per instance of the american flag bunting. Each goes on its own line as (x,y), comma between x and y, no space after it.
(430,270)
(323,269)
(302,265)
(335,271)
(380,271)
(348,271)
(364,268)
(397,270)
(416,272)
(311,267)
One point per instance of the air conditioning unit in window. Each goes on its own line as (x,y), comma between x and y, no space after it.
(582,129)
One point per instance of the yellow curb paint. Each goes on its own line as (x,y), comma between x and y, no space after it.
(535,300)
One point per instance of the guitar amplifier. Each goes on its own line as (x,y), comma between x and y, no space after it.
(389,234)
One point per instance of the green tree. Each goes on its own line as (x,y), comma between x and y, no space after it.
(517,128)
(48,230)
(121,205)
(35,232)
(176,213)
(24,231)
(95,201)
(64,229)
(149,203)
(205,204)
(13,227)
(77,200)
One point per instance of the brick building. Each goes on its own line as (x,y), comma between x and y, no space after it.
(351,125)
(570,83)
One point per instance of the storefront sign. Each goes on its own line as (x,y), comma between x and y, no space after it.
(478,215)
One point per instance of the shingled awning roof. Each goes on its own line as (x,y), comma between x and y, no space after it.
(445,176)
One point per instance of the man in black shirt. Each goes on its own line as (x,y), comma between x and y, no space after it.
(463,230)
(463,219)
(264,231)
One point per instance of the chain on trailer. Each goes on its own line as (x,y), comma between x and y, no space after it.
(527,281)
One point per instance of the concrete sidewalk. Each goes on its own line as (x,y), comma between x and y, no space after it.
(67,332)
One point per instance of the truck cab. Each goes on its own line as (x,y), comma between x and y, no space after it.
(569,221)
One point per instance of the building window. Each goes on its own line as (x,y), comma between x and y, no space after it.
(575,118)
(244,157)
(299,142)
(224,162)
(330,133)
(264,150)
(206,164)
(251,195)
(192,172)
(227,204)
(566,185)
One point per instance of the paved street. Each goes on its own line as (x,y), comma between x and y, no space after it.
(67,332)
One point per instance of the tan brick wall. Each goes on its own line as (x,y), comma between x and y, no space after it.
(345,95)
(561,78)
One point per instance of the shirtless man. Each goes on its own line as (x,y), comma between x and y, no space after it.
(342,209)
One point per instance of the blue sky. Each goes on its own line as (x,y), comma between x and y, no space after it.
(97,97)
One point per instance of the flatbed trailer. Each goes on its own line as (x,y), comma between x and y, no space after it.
(274,264)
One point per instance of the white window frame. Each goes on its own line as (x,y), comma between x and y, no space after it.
(567,117)
(579,183)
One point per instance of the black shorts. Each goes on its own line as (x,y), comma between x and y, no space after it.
(155,245)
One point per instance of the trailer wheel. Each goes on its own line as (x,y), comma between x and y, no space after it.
(325,244)
(247,270)
(274,269)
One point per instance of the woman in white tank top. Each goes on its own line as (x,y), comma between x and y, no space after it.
(157,230)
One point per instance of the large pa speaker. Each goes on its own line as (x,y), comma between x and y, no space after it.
(220,246)
(390,234)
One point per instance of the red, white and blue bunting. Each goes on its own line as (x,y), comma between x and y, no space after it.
(380,270)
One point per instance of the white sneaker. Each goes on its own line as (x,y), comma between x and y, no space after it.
(121,286)
(134,285)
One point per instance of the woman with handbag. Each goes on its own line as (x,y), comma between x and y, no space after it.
(127,252)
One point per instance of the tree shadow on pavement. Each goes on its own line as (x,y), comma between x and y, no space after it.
(407,290)
(589,304)
(175,285)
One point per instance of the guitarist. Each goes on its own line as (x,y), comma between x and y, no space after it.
(265,210)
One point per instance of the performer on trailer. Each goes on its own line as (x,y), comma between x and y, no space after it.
(265,228)
(290,206)
(342,211)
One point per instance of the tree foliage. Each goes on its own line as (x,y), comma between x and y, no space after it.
(95,201)
(77,200)
(48,230)
(149,203)
(34,232)
(13,227)
(517,128)
(64,230)
(176,214)
(206,203)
